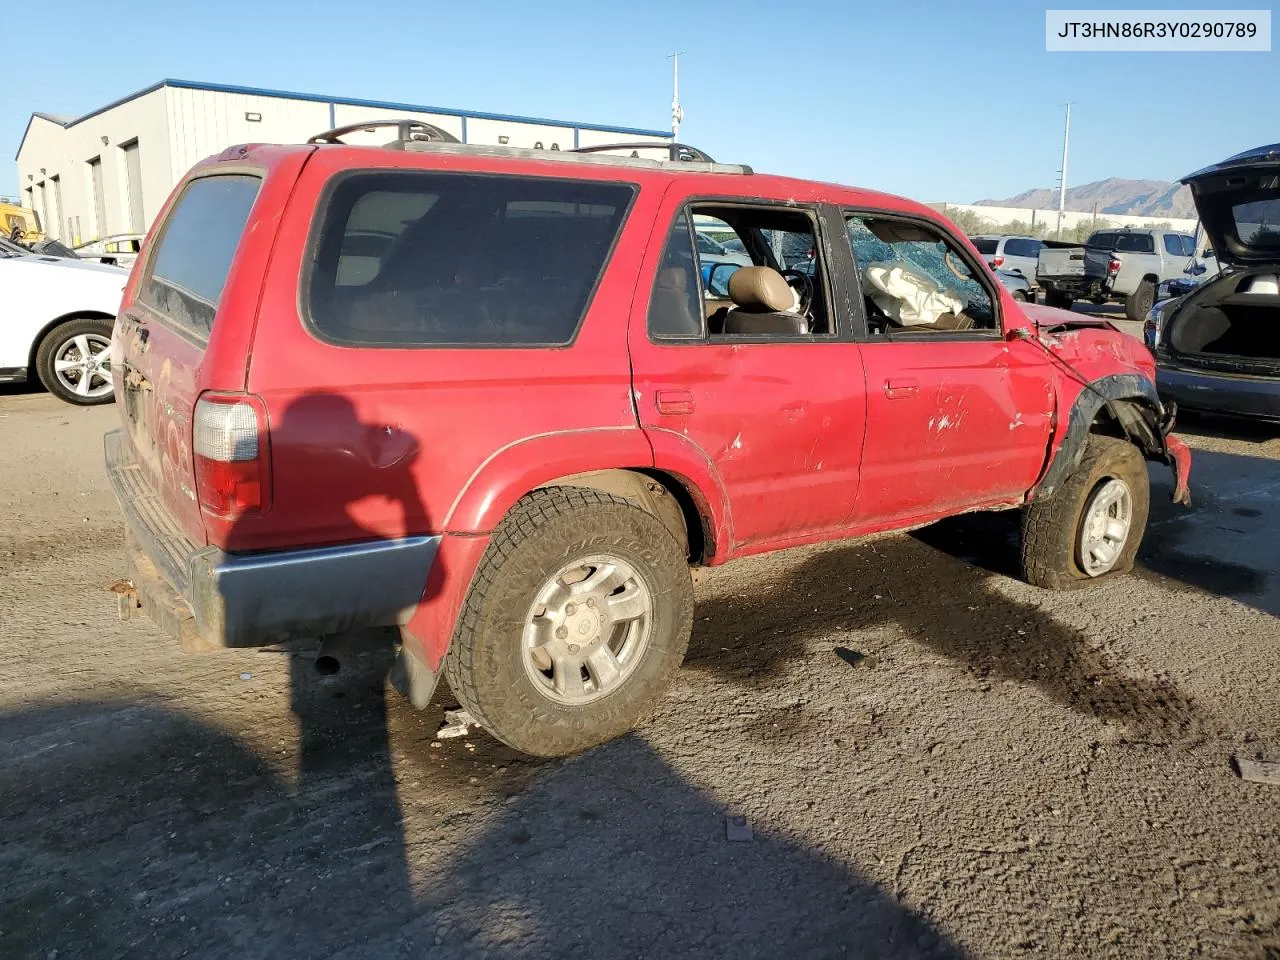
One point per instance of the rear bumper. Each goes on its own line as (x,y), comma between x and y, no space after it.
(1237,396)
(208,598)
(1078,288)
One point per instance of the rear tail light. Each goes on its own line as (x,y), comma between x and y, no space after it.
(997,262)
(229,444)
(1113,265)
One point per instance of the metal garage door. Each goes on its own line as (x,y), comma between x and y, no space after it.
(133,179)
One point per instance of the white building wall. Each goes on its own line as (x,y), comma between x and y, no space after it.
(998,216)
(51,150)
(206,122)
(177,127)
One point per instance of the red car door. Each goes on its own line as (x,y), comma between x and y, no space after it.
(956,418)
(773,420)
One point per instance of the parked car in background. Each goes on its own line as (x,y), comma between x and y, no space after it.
(285,467)
(57,320)
(1217,345)
(120,249)
(1017,285)
(1114,265)
(1013,253)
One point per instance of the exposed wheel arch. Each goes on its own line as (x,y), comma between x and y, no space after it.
(656,492)
(1125,406)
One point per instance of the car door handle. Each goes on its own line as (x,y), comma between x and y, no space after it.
(673,403)
(901,389)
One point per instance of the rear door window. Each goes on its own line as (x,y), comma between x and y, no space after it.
(1134,243)
(197,243)
(1258,223)
(1018,247)
(418,258)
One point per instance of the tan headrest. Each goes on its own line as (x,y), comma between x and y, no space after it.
(760,290)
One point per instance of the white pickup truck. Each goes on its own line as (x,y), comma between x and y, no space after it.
(1121,265)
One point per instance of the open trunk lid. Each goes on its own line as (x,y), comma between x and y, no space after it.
(165,331)
(1239,205)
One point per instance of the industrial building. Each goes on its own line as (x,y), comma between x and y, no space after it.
(109,171)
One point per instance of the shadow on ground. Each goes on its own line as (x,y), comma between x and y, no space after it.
(132,830)
(937,587)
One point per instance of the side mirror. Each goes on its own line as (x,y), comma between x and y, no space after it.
(716,278)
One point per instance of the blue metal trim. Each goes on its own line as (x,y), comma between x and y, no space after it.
(353,102)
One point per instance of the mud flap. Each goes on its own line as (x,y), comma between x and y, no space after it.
(411,677)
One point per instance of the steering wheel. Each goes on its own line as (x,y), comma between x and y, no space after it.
(803,284)
(949,258)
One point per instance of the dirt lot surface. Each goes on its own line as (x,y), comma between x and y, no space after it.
(933,759)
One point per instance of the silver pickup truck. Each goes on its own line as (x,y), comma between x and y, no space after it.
(1122,265)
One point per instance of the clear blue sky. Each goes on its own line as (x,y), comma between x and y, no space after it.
(957,101)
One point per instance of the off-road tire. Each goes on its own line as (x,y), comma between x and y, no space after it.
(48,350)
(1062,301)
(1138,304)
(1051,527)
(546,530)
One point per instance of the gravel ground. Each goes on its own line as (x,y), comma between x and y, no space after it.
(933,759)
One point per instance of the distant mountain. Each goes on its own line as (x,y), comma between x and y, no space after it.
(1139,198)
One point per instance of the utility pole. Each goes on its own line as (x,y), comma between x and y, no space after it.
(1062,174)
(677,112)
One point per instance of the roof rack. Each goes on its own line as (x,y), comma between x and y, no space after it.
(417,136)
(675,151)
(407,131)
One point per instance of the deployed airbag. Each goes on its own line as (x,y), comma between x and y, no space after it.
(907,297)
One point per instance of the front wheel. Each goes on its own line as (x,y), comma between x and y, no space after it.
(74,361)
(1093,524)
(577,618)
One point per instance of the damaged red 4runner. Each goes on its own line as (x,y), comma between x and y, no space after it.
(504,400)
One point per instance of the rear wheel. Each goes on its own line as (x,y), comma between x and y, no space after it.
(74,361)
(1093,524)
(576,620)
(1138,304)
(1054,298)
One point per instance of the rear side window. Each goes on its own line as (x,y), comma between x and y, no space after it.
(1103,241)
(1135,243)
(986,245)
(415,259)
(1022,248)
(1258,223)
(197,244)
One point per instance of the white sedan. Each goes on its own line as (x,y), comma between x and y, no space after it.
(56,317)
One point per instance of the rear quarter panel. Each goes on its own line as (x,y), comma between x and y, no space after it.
(373,442)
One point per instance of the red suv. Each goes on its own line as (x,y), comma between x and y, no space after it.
(495,397)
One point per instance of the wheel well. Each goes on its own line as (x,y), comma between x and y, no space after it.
(658,493)
(54,324)
(1131,419)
